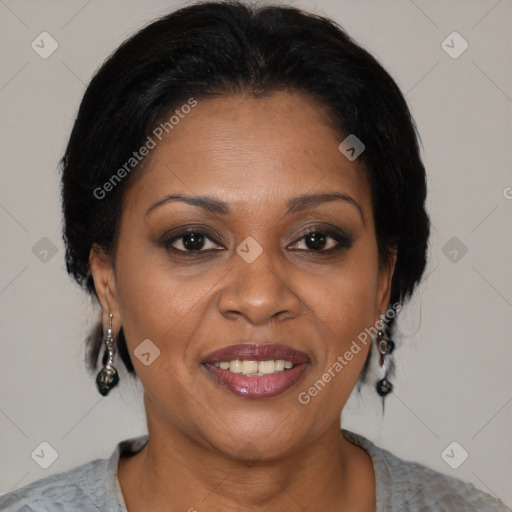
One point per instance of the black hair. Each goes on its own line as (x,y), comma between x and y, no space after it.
(221,48)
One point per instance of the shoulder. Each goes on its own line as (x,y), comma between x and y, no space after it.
(90,487)
(404,485)
(73,490)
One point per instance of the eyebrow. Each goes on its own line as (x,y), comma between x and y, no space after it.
(294,205)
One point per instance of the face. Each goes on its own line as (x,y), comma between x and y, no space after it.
(271,242)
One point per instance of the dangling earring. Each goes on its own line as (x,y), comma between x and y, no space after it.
(108,377)
(385,347)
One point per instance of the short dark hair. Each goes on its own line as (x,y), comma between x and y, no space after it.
(221,48)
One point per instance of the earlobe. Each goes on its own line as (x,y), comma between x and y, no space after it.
(102,272)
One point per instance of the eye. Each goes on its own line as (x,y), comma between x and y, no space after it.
(322,240)
(191,241)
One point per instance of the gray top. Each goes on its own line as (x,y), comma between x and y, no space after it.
(401,486)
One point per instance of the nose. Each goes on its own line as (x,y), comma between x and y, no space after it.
(259,291)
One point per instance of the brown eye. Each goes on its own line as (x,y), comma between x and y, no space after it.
(318,240)
(190,241)
(193,241)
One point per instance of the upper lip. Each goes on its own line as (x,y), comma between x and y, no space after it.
(256,352)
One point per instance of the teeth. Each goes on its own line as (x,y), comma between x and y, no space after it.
(279,365)
(234,366)
(249,367)
(267,367)
(255,368)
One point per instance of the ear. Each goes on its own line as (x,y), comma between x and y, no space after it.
(386,271)
(102,271)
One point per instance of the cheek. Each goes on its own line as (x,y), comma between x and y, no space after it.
(158,303)
(344,344)
(345,310)
(347,297)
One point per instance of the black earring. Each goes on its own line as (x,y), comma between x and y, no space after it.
(108,377)
(385,346)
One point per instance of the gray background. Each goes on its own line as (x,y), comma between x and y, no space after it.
(453,378)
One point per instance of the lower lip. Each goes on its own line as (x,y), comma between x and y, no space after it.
(265,386)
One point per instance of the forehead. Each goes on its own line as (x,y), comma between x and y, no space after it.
(250,151)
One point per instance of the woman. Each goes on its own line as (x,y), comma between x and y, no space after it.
(243,194)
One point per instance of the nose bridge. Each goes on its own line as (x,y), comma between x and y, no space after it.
(258,288)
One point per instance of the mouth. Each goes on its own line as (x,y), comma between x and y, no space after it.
(256,371)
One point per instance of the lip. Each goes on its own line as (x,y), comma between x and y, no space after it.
(254,352)
(265,386)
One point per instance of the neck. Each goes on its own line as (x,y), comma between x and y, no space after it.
(173,468)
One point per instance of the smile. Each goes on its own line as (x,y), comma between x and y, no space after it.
(256,371)
(255,368)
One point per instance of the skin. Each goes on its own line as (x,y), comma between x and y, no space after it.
(208,448)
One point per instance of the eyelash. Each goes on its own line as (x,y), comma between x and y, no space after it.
(343,241)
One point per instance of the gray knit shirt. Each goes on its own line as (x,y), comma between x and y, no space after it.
(401,486)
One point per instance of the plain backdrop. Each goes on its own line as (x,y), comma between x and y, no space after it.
(453,381)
